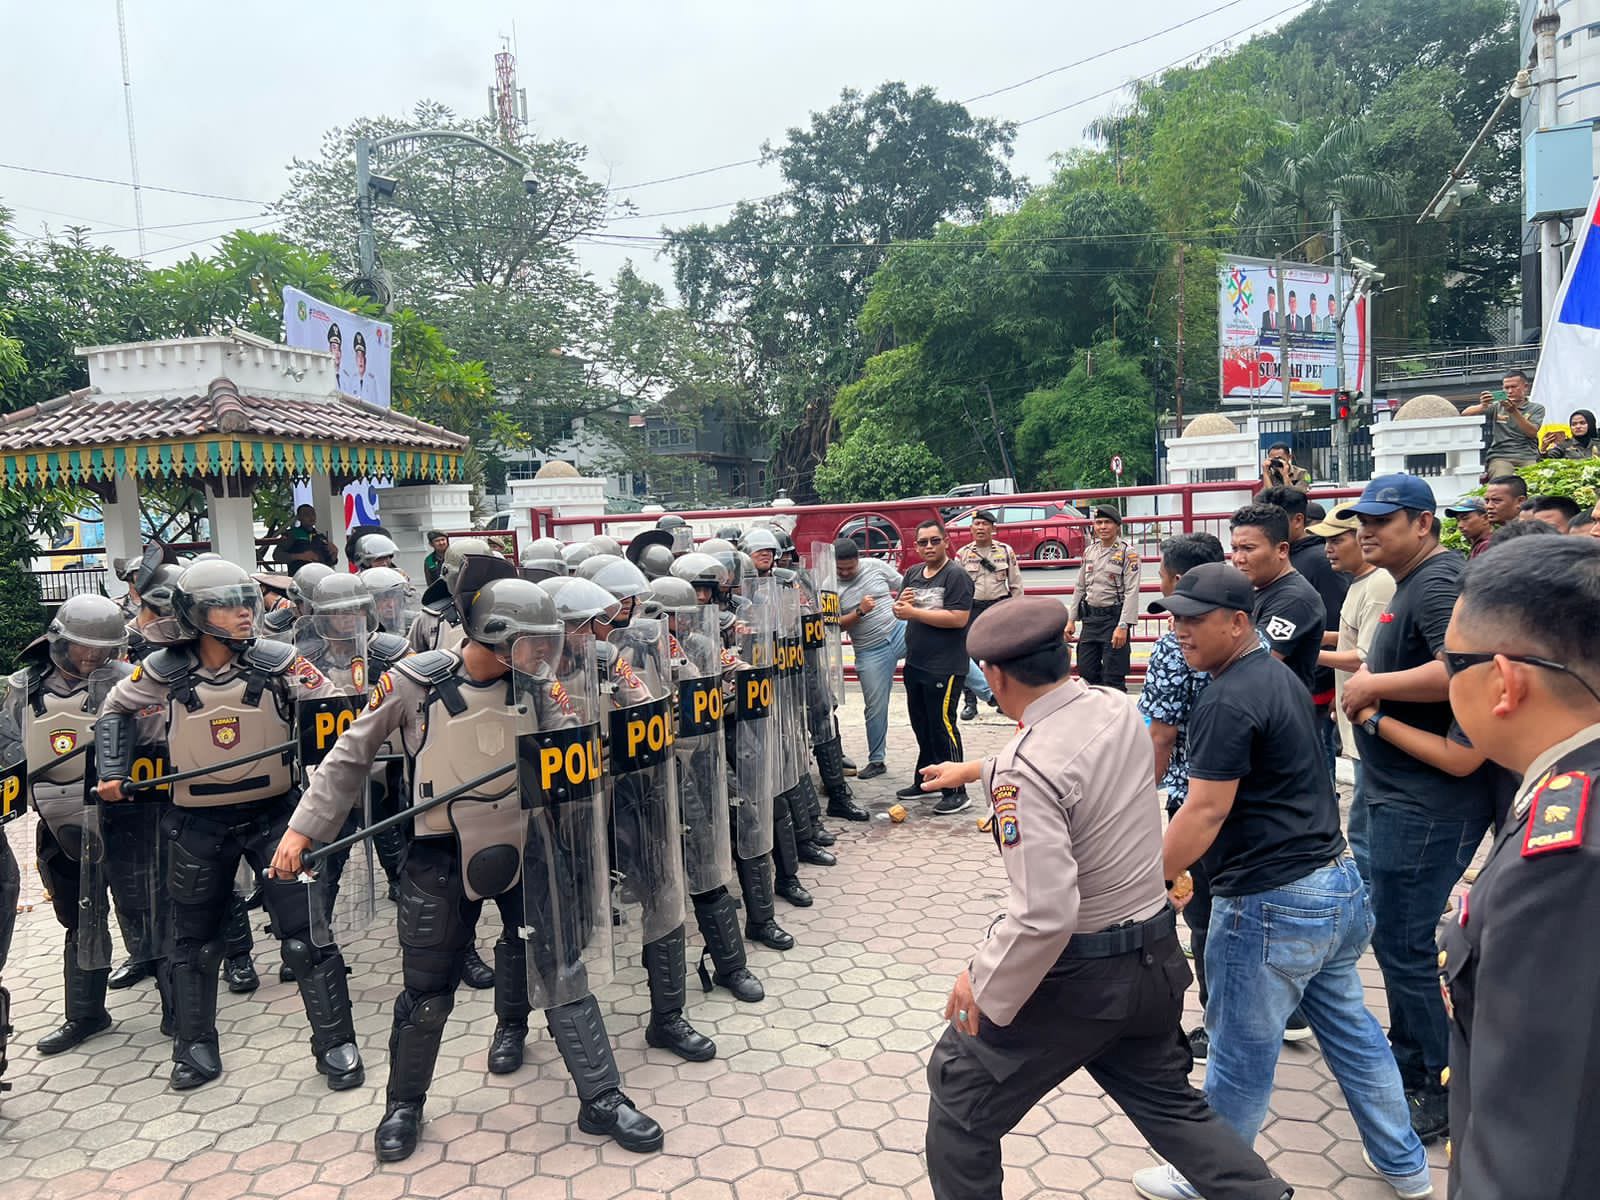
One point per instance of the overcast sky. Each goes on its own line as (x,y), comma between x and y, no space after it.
(226,94)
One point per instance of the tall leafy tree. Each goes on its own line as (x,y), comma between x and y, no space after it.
(787,276)
(1070,432)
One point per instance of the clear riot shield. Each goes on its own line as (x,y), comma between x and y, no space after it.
(825,572)
(756,728)
(566,871)
(791,686)
(647,827)
(343,896)
(132,829)
(76,821)
(815,685)
(700,751)
(13,756)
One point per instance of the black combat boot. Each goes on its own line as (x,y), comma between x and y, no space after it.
(813,803)
(510,1006)
(718,918)
(805,830)
(85,1003)
(413,1051)
(668,1028)
(786,855)
(760,925)
(841,800)
(580,1034)
(476,973)
(238,969)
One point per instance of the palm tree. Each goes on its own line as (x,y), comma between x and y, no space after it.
(1289,199)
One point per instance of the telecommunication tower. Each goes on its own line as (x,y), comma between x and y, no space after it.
(508,103)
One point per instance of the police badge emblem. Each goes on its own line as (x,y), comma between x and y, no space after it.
(63,741)
(358,674)
(225,732)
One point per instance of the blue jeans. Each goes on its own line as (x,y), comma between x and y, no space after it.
(1298,945)
(875,669)
(1358,830)
(976,683)
(1416,859)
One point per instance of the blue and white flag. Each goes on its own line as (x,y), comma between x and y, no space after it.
(1569,363)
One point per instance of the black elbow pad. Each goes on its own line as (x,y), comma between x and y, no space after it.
(113,745)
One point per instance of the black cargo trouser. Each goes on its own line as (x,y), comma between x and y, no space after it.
(1098,660)
(1118,1018)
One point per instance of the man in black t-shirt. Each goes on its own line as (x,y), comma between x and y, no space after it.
(1425,824)
(1287,608)
(935,602)
(1289,913)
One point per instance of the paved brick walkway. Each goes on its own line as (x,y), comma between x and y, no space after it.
(818,1091)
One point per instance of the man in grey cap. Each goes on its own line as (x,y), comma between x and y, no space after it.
(1289,914)
(1084,969)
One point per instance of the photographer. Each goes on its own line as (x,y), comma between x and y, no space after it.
(1279,470)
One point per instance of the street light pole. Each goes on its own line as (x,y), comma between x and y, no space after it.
(1546,24)
(1340,432)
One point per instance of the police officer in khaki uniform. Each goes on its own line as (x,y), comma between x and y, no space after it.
(1106,600)
(1084,968)
(225,696)
(447,706)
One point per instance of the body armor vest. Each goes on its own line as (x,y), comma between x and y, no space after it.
(58,725)
(223,726)
(460,746)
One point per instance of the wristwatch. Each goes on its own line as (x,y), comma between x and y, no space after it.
(1371,723)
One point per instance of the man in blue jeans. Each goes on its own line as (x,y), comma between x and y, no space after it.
(1289,915)
(877,638)
(1424,824)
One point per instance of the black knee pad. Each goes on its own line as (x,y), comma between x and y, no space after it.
(427,920)
(192,878)
(431,1012)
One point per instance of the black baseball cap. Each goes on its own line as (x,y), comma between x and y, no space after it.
(1206,587)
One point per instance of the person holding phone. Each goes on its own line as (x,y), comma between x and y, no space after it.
(1514,429)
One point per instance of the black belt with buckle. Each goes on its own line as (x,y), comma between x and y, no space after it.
(1124,938)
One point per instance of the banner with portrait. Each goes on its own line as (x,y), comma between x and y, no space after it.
(1272,328)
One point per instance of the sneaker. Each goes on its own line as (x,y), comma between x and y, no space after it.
(1430,1113)
(1409,1187)
(871,771)
(951,802)
(914,792)
(1200,1045)
(1164,1183)
(1297,1030)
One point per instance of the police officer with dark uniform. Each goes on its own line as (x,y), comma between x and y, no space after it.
(1084,969)
(1106,600)
(1518,959)
(50,707)
(226,697)
(457,713)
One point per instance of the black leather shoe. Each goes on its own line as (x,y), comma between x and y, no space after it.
(814,854)
(969,710)
(73,1033)
(672,1032)
(792,891)
(130,973)
(1430,1113)
(199,1064)
(871,771)
(239,973)
(770,934)
(342,1066)
(396,1135)
(613,1115)
(849,810)
(914,792)
(285,973)
(742,984)
(394,892)
(476,973)
(848,764)
(505,1051)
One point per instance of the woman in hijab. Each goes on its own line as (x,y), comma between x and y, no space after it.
(1582,444)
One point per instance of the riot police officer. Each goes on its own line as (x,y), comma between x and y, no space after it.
(636,680)
(278,624)
(696,647)
(459,713)
(438,625)
(50,707)
(391,595)
(375,550)
(229,712)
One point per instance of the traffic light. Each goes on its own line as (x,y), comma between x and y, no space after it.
(1344,406)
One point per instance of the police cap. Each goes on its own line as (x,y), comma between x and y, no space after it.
(1017,628)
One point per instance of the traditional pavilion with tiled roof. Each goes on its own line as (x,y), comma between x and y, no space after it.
(220,413)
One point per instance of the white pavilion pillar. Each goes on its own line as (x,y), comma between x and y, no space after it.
(124,534)
(232,519)
(329,503)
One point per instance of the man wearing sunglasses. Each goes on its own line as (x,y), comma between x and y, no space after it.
(935,602)
(1521,974)
(1424,823)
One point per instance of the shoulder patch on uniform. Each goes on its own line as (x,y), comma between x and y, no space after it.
(1005,793)
(306,672)
(1010,830)
(380,690)
(1555,821)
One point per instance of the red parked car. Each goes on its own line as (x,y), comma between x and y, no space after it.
(1034,530)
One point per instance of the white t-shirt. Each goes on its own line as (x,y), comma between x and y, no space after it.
(1359,616)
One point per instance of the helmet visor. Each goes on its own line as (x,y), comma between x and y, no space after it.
(232,612)
(82,659)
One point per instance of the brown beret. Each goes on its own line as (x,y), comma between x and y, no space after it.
(1017,627)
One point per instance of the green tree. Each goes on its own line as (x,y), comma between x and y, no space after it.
(870,465)
(1103,407)
(785,278)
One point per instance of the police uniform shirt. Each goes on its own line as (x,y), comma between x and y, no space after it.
(397,704)
(1521,970)
(1074,812)
(1109,576)
(994,571)
(140,693)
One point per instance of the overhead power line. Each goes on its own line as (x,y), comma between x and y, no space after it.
(149,187)
(633,187)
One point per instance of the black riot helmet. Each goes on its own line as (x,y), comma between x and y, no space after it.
(217,597)
(342,609)
(87,632)
(731,534)
(157,621)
